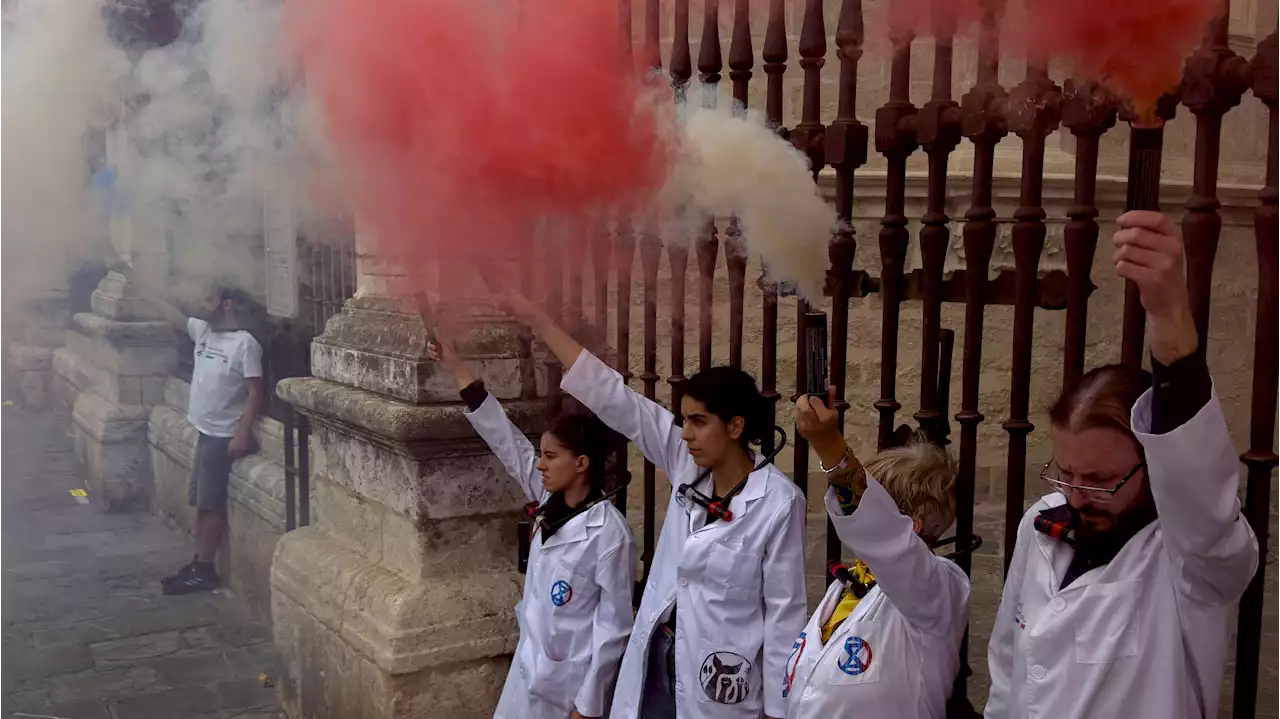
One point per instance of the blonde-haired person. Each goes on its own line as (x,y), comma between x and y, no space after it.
(887,643)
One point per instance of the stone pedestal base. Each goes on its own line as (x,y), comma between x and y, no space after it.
(41,321)
(111,370)
(361,641)
(32,371)
(111,444)
(399,600)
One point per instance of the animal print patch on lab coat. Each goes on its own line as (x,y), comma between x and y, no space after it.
(725,677)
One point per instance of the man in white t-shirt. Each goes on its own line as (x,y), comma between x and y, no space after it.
(226,393)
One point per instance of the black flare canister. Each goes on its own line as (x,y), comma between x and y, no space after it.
(524,531)
(815,340)
(1146,145)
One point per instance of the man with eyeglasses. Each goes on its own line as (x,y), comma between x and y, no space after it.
(1124,580)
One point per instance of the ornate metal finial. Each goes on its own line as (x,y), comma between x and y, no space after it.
(681,65)
(775,62)
(808,135)
(709,62)
(141,25)
(741,58)
(846,137)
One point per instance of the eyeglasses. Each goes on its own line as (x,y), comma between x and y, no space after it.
(1051,475)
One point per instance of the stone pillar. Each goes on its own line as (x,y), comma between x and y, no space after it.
(112,369)
(41,322)
(398,601)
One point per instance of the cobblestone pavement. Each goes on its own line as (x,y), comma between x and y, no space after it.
(87,633)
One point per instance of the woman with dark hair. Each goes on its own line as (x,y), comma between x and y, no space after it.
(731,555)
(576,611)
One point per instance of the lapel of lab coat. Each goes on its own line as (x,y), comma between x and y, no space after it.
(1058,554)
(577,529)
(739,505)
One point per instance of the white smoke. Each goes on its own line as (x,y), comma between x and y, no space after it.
(61,85)
(734,165)
(201,132)
(198,135)
(219,131)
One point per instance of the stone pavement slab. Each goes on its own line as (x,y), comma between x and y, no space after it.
(86,632)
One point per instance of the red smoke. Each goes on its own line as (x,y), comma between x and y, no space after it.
(1136,47)
(458,123)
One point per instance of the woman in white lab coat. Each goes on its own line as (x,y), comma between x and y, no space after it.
(575,615)
(1123,583)
(725,596)
(884,641)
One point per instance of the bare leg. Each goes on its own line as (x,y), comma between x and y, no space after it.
(209,529)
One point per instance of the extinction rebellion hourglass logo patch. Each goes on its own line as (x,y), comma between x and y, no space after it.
(725,677)
(561,593)
(856,657)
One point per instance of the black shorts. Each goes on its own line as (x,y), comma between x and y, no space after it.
(208,489)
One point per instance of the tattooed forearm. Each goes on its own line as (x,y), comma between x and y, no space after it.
(849,482)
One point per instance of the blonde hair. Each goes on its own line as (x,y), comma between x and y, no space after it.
(921,478)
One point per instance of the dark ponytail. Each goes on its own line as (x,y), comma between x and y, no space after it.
(729,393)
(585,435)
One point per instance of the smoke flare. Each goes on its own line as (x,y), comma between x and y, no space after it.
(1137,47)
(736,166)
(459,124)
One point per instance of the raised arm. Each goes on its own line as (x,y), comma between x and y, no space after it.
(1191,462)
(509,444)
(168,311)
(1194,474)
(561,343)
(932,593)
(818,423)
(486,415)
(645,422)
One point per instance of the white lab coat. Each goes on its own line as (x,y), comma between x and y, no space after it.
(1146,635)
(575,614)
(738,586)
(898,652)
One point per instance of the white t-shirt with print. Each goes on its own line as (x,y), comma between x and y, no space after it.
(223,361)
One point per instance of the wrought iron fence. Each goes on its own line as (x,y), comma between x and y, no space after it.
(1215,80)
(327,278)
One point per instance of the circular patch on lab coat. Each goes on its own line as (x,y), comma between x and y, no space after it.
(856,657)
(561,593)
(725,677)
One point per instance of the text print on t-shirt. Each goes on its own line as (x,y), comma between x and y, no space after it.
(206,352)
(219,390)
